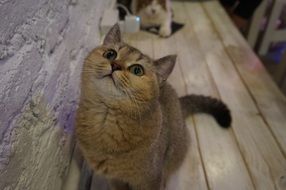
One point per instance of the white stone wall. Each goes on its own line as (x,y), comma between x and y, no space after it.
(42,45)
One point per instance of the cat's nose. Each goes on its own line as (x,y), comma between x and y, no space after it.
(115,67)
(153,11)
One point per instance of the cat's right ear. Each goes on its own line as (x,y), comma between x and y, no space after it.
(164,67)
(113,36)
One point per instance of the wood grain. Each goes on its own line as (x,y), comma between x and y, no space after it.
(269,99)
(256,142)
(191,174)
(221,155)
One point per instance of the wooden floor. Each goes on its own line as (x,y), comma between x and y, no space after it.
(214,59)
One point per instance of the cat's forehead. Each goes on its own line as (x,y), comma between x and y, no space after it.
(131,54)
(126,51)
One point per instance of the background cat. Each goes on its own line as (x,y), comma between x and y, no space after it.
(129,125)
(154,13)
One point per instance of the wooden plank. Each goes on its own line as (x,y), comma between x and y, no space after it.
(141,40)
(163,47)
(226,75)
(265,161)
(223,163)
(191,175)
(74,171)
(269,99)
(194,70)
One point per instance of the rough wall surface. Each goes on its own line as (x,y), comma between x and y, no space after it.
(42,45)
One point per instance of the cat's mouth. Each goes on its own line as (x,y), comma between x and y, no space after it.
(110,75)
(114,67)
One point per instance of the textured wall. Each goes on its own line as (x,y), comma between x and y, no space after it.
(42,45)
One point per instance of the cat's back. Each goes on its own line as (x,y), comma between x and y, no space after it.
(171,108)
(175,125)
(168,97)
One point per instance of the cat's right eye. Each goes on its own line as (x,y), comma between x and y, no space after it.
(110,54)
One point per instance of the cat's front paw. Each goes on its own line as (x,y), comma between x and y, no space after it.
(165,31)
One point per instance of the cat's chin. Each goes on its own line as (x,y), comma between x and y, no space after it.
(105,82)
(114,79)
(109,77)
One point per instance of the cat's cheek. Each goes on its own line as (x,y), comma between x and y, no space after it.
(101,69)
(149,90)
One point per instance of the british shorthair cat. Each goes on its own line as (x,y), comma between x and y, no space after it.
(154,13)
(129,124)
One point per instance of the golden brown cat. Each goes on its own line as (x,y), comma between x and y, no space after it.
(130,126)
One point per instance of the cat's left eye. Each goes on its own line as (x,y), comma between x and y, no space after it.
(136,69)
(110,54)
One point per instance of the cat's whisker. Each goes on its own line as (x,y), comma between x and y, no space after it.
(134,102)
(125,80)
(136,107)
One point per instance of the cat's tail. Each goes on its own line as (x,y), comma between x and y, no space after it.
(192,104)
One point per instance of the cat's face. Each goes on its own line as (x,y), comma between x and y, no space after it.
(121,76)
(152,8)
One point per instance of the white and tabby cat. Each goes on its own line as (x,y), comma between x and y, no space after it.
(154,13)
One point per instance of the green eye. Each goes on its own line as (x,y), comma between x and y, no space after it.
(110,54)
(136,70)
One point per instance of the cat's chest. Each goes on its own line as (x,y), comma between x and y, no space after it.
(111,119)
(117,130)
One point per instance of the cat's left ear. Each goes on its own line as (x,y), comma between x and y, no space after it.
(113,36)
(164,67)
